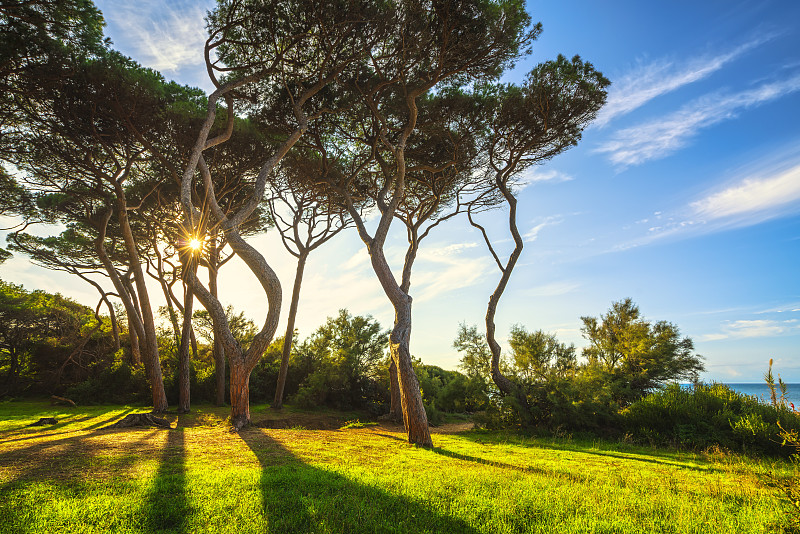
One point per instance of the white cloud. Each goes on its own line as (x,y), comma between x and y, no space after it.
(650,80)
(765,188)
(553,289)
(752,328)
(449,250)
(752,195)
(659,138)
(164,36)
(444,269)
(536,174)
(533,233)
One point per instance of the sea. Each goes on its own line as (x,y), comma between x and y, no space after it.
(760,390)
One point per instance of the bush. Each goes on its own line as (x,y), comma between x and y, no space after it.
(121,383)
(708,415)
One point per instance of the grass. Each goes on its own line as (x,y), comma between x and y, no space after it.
(299,472)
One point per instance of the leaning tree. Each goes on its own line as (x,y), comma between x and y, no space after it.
(92,144)
(433,49)
(280,60)
(306,218)
(528,125)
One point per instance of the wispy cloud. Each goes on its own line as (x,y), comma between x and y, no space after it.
(533,233)
(753,328)
(766,188)
(161,35)
(658,138)
(536,174)
(445,269)
(553,289)
(752,195)
(650,80)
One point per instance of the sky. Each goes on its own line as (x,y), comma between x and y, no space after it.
(683,195)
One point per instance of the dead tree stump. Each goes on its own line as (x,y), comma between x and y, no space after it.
(45,421)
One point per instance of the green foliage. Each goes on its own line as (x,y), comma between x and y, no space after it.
(539,356)
(638,354)
(476,357)
(120,382)
(48,342)
(790,485)
(708,415)
(450,391)
(343,358)
(242,328)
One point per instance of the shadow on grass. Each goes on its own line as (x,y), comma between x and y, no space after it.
(166,507)
(31,433)
(109,420)
(60,467)
(664,458)
(298,497)
(502,465)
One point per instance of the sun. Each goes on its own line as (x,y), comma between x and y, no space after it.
(195,244)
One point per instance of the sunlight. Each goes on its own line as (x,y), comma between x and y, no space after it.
(195,244)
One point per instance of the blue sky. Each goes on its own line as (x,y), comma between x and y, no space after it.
(684,195)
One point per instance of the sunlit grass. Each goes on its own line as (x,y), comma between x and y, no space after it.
(199,477)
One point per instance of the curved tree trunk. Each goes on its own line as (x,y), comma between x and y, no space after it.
(288,338)
(184,378)
(395,409)
(415,419)
(504,384)
(219,349)
(150,340)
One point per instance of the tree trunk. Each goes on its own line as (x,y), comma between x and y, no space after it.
(136,355)
(395,409)
(504,384)
(287,340)
(219,348)
(184,353)
(150,340)
(240,393)
(415,419)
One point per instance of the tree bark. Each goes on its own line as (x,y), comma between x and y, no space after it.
(395,409)
(287,340)
(504,384)
(415,419)
(184,378)
(240,396)
(136,355)
(150,339)
(219,349)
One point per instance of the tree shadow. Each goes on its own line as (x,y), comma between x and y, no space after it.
(109,420)
(32,433)
(298,497)
(654,457)
(60,465)
(502,465)
(166,507)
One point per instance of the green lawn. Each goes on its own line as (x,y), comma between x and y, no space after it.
(303,474)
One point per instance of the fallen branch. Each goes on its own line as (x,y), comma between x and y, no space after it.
(55,399)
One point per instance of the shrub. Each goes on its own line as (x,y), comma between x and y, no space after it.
(708,415)
(121,383)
